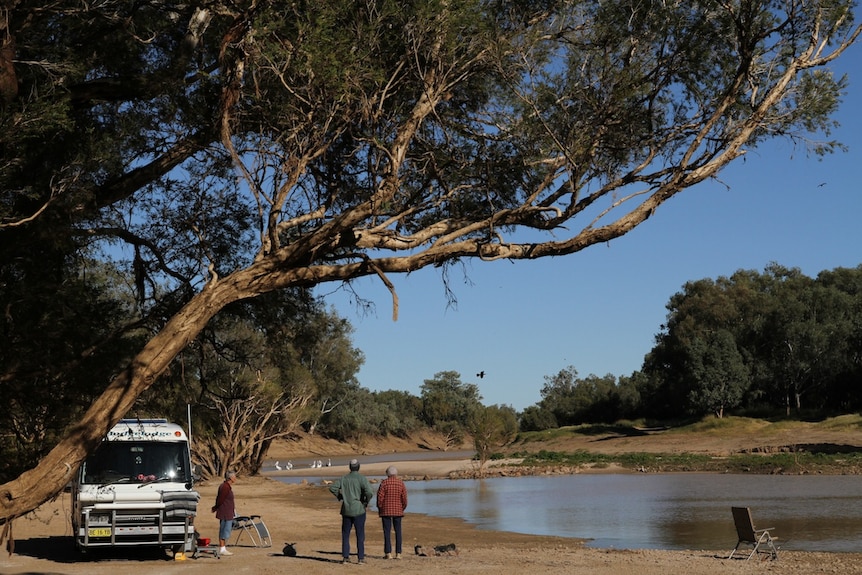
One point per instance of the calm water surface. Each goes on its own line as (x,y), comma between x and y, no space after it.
(667,511)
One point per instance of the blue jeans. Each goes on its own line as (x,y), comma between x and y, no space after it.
(225,527)
(388,523)
(358,523)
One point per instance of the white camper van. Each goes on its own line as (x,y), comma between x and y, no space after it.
(136,489)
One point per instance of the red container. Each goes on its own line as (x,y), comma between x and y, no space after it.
(203,542)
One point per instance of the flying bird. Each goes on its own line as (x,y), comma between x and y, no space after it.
(480,375)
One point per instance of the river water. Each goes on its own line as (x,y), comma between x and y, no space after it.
(655,511)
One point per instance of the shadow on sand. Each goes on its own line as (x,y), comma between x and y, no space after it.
(62,550)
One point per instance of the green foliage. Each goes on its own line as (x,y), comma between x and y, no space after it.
(367,415)
(257,372)
(447,402)
(56,350)
(493,426)
(719,378)
(775,338)
(536,418)
(402,413)
(559,395)
(324,351)
(572,400)
(356,418)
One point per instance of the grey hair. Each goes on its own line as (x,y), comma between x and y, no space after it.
(391,471)
(229,475)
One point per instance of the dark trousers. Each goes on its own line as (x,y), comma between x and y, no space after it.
(388,524)
(357,523)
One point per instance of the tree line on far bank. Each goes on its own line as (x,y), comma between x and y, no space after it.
(770,343)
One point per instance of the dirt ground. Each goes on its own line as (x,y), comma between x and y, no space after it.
(307,515)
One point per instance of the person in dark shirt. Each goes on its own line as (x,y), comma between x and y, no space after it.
(225,511)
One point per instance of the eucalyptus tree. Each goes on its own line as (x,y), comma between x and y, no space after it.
(491,426)
(845,386)
(568,399)
(700,362)
(324,349)
(237,148)
(719,377)
(447,403)
(559,396)
(401,412)
(777,338)
(804,337)
(536,418)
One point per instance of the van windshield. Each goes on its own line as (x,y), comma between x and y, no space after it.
(137,462)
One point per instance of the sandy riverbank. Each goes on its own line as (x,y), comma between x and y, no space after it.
(308,516)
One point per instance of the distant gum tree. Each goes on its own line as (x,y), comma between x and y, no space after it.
(229,149)
(491,427)
(447,404)
(719,375)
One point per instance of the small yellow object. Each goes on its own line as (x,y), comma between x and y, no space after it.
(180,556)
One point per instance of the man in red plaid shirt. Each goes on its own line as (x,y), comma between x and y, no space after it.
(391,503)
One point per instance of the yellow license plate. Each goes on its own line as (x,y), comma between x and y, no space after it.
(101,532)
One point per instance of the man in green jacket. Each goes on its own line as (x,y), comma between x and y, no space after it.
(354,491)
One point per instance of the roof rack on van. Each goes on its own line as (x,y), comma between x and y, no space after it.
(144,421)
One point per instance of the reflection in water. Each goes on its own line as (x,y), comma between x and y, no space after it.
(673,511)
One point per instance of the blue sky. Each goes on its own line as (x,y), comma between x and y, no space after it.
(599,310)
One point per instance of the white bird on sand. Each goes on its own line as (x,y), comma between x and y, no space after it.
(277,466)
(290,465)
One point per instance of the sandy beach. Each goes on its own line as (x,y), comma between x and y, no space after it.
(307,515)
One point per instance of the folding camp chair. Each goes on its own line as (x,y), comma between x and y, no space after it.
(761,540)
(256,529)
